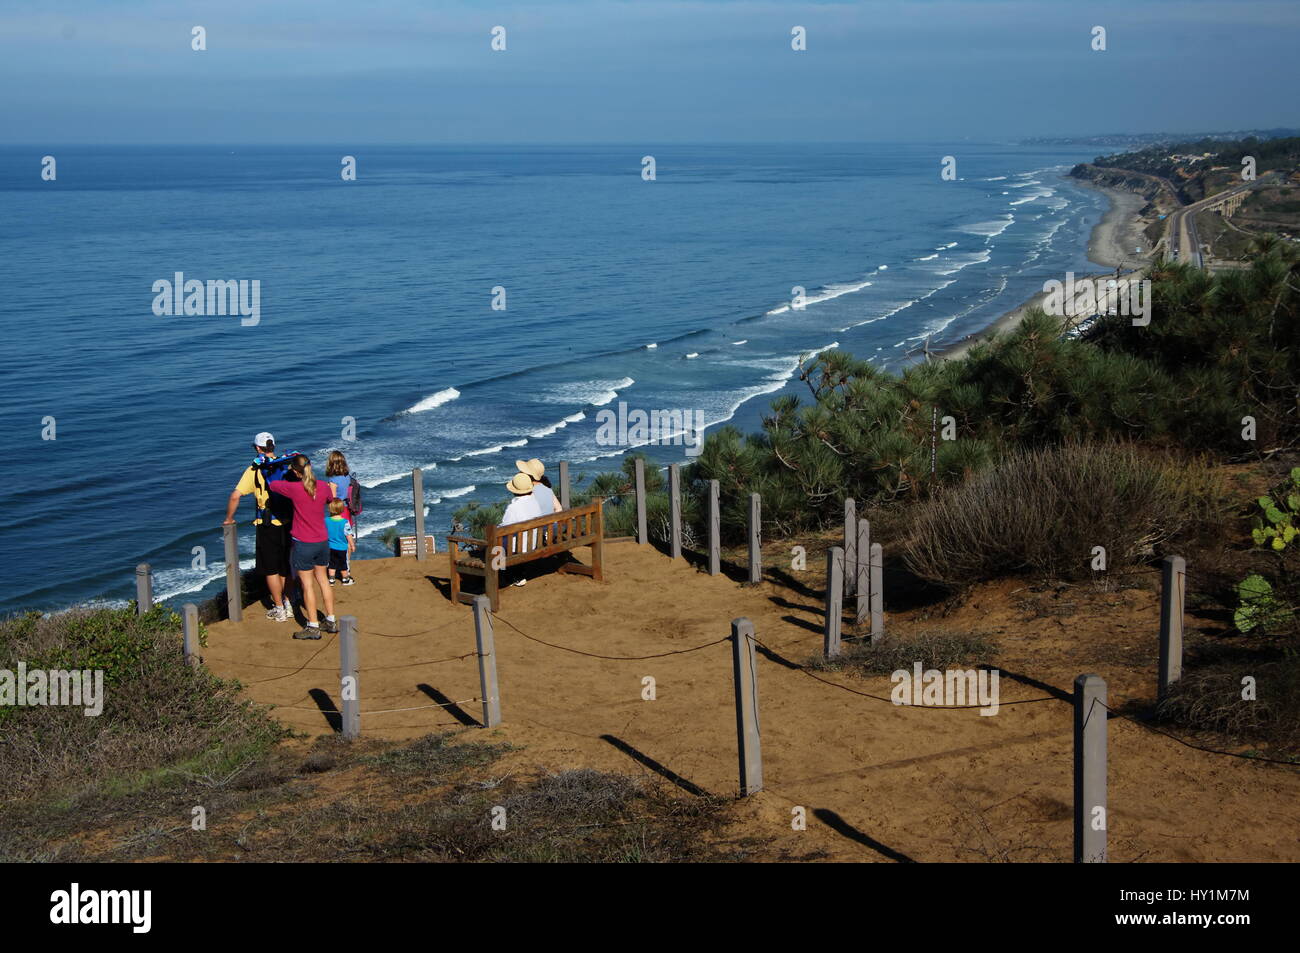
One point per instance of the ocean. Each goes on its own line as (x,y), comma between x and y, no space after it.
(375,315)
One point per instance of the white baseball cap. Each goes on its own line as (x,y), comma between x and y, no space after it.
(264,439)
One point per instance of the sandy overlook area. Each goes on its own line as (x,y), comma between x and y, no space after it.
(877,781)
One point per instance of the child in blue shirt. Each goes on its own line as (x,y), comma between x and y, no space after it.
(342,543)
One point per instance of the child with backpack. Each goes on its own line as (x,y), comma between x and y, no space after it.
(342,544)
(346,487)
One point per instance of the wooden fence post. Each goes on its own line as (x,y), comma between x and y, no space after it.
(487,662)
(851,546)
(1173,587)
(755,538)
(564,484)
(745,678)
(234,592)
(642,535)
(675,509)
(877,593)
(417,495)
(190,633)
(1090,820)
(349,689)
(715,530)
(863,584)
(834,601)
(143,589)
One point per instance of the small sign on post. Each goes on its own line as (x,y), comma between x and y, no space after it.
(1090,819)
(143,589)
(745,678)
(715,530)
(642,536)
(1173,587)
(234,596)
(675,509)
(417,495)
(487,662)
(834,601)
(349,690)
(190,633)
(406,545)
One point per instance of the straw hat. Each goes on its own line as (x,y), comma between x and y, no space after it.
(521,484)
(534,467)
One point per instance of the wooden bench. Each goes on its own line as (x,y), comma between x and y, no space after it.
(554,534)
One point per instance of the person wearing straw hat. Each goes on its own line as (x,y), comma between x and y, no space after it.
(522,507)
(542,492)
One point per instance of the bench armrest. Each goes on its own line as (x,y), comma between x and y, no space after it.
(467,539)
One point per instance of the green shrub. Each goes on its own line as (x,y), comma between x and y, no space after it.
(1265,605)
(160,715)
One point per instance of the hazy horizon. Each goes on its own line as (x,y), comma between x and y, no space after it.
(598,72)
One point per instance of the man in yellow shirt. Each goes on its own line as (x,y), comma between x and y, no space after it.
(273,519)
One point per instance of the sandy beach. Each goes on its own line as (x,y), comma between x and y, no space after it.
(1117,237)
(1113,244)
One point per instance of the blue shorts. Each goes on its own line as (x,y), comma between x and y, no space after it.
(307,556)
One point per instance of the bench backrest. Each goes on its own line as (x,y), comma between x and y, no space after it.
(548,535)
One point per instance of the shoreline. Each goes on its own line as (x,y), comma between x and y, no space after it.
(1120,229)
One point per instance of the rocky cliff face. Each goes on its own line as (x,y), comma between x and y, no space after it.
(1146,186)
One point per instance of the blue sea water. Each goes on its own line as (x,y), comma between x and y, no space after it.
(376,304)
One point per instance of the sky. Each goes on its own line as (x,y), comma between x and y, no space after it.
(601,71)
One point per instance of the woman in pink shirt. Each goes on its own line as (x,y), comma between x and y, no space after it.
(311,549)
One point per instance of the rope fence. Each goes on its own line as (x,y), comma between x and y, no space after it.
(854,570)
(613,658)
(328,668)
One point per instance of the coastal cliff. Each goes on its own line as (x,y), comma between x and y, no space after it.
(1148,186)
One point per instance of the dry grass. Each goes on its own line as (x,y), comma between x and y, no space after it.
(934,649)
(1044,511)
(431,800)
(161,718)
(1209,698)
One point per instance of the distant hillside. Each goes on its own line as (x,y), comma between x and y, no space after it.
(1174,175)
(1142,140)
(1199,168)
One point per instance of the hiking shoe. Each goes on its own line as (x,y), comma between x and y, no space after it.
(348,580)
(331,582)
(307,632)
(328,626)
(278,615)
(519,582)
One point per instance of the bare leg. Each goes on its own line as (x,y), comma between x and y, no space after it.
(275,585)
(326,592)
(309,598)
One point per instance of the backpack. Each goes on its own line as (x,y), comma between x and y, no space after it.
(354,496)
(275,468)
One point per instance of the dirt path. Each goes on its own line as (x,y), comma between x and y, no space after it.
(878,782)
